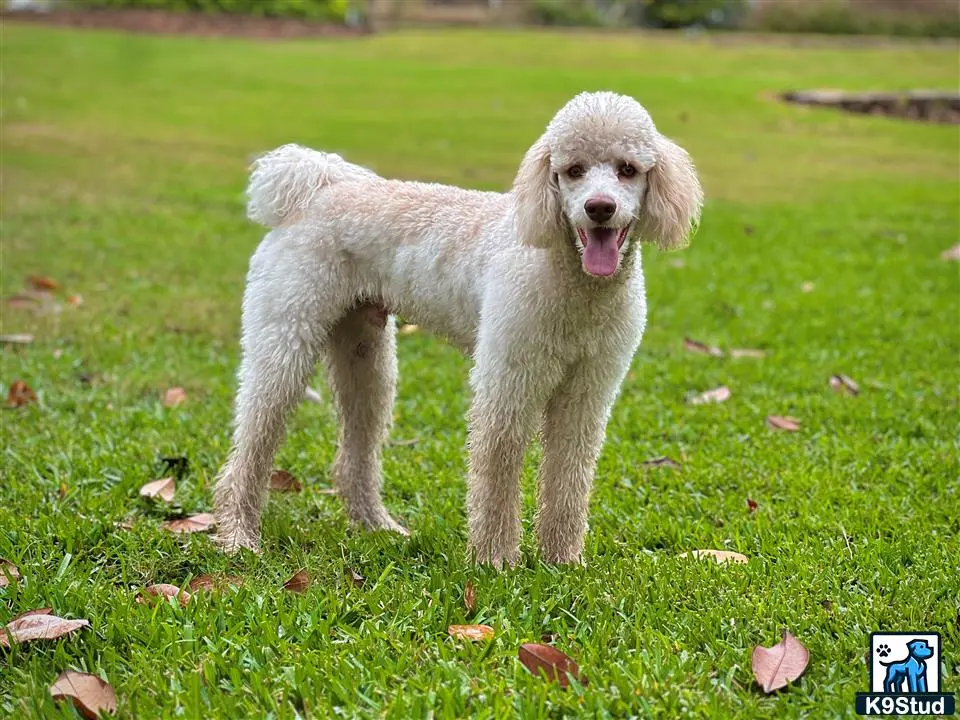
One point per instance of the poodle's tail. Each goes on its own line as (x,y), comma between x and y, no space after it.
(285,180)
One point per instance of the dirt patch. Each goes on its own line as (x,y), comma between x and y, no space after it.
(184,23)
(924,105)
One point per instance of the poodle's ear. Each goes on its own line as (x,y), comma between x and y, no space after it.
(537,211)
(671,211)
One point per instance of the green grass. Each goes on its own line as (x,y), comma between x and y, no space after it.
(124,161)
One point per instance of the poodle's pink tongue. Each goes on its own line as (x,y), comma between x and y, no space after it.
(600,251)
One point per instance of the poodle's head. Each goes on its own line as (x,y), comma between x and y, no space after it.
(602,176)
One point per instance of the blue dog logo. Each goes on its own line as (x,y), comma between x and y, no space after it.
(912,670)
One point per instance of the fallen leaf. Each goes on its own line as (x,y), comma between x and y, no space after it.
(752,505)
(408,329)
(22,301)
(699,347)
(174,396)
(91,695)
(663,461)
(214,582)
(781,664)
(808,287)
(356,578)
(20,394)
(717,395)
(470,596)
(163,489)
(16,339)
(951,254)
(721,556)
(42,283)
(38,627)
(471,632)
(28,613)
(737,353)
(8,573)
(75,300)
(124,524)
(550,663)
(298,583)
(163,590)
(194,523)
(844,385)
(785,422)
(403,443)
(282,481)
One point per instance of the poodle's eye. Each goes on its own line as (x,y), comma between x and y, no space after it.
(575,171)
(626,170)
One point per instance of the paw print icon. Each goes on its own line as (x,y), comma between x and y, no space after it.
(883,650)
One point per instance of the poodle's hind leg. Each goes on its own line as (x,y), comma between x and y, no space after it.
(284,325)
(362,371)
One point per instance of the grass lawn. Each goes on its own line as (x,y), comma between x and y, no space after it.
(124,161)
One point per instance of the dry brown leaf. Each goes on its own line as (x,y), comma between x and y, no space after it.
(775,667)
(356,578)
(38,627)
(124,524)
(783,422)
(746,353)
(42,283)
(174,396)
(9,574)
(194,523)
(721,556)
(214,582)
(470,596)
(163,489)
(471,632)
(951,254)
(408,329)
(660,462)
(752,505)
(20,394)
(89,694)
(547,661)
(282,481)
(699,347)
(28,613)
(16,339)
(844,385)
(152,593)
(299,582)
(75,300)
(717,395)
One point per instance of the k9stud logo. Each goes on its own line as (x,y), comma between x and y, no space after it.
(905,676)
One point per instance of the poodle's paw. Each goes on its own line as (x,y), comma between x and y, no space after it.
(562,555)
(497,555)
(232,542)
(377,519)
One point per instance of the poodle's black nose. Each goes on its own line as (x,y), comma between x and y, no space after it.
(600,209)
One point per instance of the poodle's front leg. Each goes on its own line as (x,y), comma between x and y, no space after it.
(508,399)
(574,428)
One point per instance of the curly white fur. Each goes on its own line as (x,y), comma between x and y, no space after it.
(542,285)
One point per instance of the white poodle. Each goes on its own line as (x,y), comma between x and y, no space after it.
(542,286)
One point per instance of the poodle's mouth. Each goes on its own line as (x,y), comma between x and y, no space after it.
(601,249)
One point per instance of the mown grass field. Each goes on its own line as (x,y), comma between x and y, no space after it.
(124,161)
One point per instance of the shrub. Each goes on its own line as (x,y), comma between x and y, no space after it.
(315,9)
